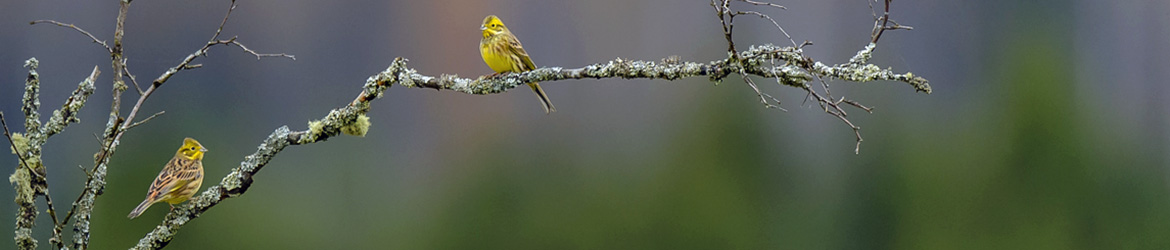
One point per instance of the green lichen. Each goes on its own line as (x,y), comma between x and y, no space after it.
(21,143)
(316,128)
(358,127)
(21,178)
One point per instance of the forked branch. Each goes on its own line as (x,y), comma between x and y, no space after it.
(857,70)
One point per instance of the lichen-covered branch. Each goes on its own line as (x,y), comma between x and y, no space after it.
(856,70)
(82,208)
(768,61)
(765,61)
(118,125)
(25,178)
(787,66)
(350,119)
(30,180)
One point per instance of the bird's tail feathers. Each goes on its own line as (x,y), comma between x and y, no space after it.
(141,208)
(548,106)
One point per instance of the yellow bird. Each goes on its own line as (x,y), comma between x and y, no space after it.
(503,53)
(179,179)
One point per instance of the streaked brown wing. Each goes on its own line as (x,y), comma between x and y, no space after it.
(191,171)
(169,178)
(517,49)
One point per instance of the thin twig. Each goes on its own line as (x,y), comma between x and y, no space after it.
(259,55)
(881,24)
(86,33)
(145,120)
(832,108)
(858,105)
(57,225)
(763,96)
(765,3)
(134,80)
(762,15)
(723,11)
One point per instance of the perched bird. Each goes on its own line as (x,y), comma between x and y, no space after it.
(503,53)
(179,179)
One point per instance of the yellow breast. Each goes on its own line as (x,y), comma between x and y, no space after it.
(496,58)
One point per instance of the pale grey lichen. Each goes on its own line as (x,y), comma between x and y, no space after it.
(32,100)
(863,55)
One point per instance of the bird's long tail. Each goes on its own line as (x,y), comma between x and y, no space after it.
(141,208)
(548,106)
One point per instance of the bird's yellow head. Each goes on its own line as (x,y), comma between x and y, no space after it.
(192,149)
(492,25)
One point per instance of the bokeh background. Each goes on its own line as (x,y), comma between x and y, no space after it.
(1047,128)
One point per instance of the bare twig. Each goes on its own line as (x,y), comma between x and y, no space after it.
(834,109)
(762,15)
(134,80)
(259,55)
(145,120)
(763,96)
(881,24)
(765,3)
(723,11)
(83,32)
(856,104)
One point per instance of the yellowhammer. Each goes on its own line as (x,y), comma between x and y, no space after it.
(503,53)
(179,179)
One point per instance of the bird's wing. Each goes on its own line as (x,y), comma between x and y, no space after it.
(516,48)
(169,179)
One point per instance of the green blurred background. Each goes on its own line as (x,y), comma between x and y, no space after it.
(1047,128)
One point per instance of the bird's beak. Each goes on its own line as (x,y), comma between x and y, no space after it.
(482,28)
(202,149)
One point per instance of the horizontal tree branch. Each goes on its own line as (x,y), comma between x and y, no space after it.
(780,63)
(765,61)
